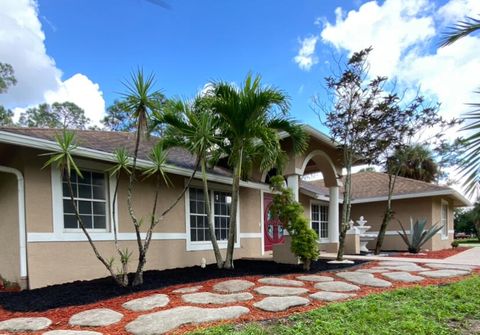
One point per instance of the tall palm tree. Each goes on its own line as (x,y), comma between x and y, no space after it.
(250,118)
(471,157)
(415,162)
(193,127)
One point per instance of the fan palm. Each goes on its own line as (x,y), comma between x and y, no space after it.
(193,127)
(415,162)
(250,118)
(471,161)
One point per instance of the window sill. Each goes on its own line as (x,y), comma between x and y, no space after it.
(199,246)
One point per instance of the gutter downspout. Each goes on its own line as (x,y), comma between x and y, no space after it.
(21,218)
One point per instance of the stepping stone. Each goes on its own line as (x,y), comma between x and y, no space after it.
(363,278)
(165,321)
(190,289)
(215,298)
(407,267)
(315,278)
(395,263)
(98,317)
(71,332)
(277,304)
(444,273)
(331,296)
(280,281)
(280,291)
(450,266)
(234,285)
(372,270)
(25,324)
(147,303)
(336,286)
(405,277)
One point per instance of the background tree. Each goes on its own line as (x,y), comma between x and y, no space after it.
(470,163)
(58,115)
(464,221)
(250,117)
(6,117)
(7,77)
(416,162)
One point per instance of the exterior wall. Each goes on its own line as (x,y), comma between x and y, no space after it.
(55,257)
(439,241)
(403,209)
(9,238)
(61,262)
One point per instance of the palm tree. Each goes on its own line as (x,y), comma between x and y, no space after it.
(250,118)
(193,127)
(415,162)
(471,157)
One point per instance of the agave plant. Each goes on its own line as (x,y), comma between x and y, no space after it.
(418,234)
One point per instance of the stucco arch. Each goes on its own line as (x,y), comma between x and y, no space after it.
(324,165)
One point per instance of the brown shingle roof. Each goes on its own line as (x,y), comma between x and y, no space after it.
(371,185)
(108,141)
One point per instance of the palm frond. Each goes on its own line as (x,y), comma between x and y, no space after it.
(460,30)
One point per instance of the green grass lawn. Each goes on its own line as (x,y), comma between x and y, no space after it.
(468,241)
(435,310)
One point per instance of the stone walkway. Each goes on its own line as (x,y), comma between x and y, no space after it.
(220,300)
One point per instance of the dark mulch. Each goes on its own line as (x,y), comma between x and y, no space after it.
(87,292)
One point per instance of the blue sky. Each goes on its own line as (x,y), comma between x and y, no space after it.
(187,45)
(82,50)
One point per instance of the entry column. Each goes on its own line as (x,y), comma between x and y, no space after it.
(293,182)
(333,221)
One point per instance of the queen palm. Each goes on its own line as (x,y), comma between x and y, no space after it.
(250,118)
(471,161)
(193,127)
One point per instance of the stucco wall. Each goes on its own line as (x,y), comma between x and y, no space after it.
(427,207)
(9,238)
(440,241)
(61,262)
(54,261)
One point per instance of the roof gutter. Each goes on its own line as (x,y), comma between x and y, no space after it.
(42,144)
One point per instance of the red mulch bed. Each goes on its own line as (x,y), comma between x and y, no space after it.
(439,254)
(60,316)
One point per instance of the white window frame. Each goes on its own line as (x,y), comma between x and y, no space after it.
(207,245)
(324,204)
(57,202)
(444,221)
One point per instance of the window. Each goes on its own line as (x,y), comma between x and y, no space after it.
(220,203)
(90,196)
(444,218)
(319,220)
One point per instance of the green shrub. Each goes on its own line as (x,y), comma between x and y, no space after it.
(455,244)
(290,212)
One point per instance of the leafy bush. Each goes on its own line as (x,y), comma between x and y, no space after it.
(455,244)
(290,212)
(418,235)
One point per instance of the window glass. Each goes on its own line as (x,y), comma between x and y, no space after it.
(319,220)
(90,194)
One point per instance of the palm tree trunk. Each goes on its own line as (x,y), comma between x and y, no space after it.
(387,217)
(211,225)
(237,172)
(124,274)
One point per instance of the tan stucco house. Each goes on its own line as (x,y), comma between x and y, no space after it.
(41,243)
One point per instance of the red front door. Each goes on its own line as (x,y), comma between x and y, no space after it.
(273,228)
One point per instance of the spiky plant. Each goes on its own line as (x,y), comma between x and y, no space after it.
(418,236)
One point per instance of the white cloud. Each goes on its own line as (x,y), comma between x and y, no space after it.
(22,44)
(306,55)
(405,35)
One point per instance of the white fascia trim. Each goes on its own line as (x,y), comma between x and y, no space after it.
(43,144)
(319,197)
(21,218)
(80,237)
(314,133)
(411,196)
